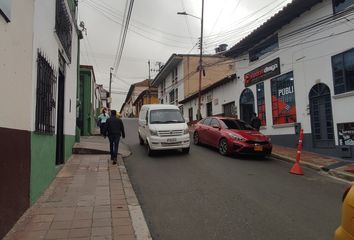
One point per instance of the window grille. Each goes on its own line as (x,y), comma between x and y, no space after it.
(45,96)
(63,26)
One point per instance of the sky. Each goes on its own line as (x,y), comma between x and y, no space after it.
(156,31)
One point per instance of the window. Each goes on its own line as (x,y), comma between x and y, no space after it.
(207,121)
(190,114)
(283,99)
(267,46)
(235,124)
(45,96)
(63,26)
(261,103)
(214,122)
(341,5)
(166,116)
(172,97)
(229,109)
(209,109)
(343,72)
(174,76)
(5,9)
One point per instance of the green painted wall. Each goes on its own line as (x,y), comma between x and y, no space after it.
(43,168)
(69,142)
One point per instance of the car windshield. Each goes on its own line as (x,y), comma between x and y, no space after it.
(236,124)
(166,116)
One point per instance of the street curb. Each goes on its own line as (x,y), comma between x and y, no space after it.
(341,175)
(291,160)
(139,223)
(333,173)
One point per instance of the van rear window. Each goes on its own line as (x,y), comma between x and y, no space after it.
(163,116)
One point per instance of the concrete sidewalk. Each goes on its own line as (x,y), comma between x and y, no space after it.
(89,199)
(343,169)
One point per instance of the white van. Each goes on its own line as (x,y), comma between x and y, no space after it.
(163,127)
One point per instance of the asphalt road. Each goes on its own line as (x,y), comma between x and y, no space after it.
(204,195)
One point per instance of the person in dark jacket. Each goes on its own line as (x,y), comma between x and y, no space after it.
(255,122)
(114,130)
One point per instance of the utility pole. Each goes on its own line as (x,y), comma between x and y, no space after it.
(149,96)
(200,63)
(199,115)
(110,87)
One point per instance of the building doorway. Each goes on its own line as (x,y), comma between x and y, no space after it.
(60,113)
(321,116)
(209,109)
(246,105)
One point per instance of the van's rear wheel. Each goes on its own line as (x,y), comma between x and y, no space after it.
(141,141)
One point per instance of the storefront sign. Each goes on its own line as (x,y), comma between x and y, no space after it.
(283,99)
(346,133)
(263,72)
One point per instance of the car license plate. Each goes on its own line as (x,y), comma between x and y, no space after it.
(171,140)
(258,148)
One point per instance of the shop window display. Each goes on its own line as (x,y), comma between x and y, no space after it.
(283,99)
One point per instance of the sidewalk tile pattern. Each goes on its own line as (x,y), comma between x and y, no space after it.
(85,201)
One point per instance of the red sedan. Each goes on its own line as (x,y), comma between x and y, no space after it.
(231,136)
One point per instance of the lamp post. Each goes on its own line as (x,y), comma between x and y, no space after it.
(110,87)
(199,115)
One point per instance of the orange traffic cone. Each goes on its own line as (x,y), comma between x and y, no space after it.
(296,169)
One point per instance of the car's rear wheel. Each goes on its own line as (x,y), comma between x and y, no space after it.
(196,138)
(223,148)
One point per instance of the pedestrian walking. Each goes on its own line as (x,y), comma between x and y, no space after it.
(114,130)
(102,119)
(255,122)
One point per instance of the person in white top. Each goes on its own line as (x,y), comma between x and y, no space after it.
(102,119)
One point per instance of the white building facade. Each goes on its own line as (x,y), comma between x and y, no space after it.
(296,71)
(38,68)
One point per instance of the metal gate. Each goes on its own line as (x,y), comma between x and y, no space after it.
(321,116)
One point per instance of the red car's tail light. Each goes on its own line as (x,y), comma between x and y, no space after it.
(346,193)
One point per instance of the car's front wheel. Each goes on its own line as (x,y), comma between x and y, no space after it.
(141,141)
(185,150)
(149,150)
(223,148)
(196,138)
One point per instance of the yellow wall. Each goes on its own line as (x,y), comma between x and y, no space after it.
(221,67)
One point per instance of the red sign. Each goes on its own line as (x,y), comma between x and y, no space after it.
(263,72)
